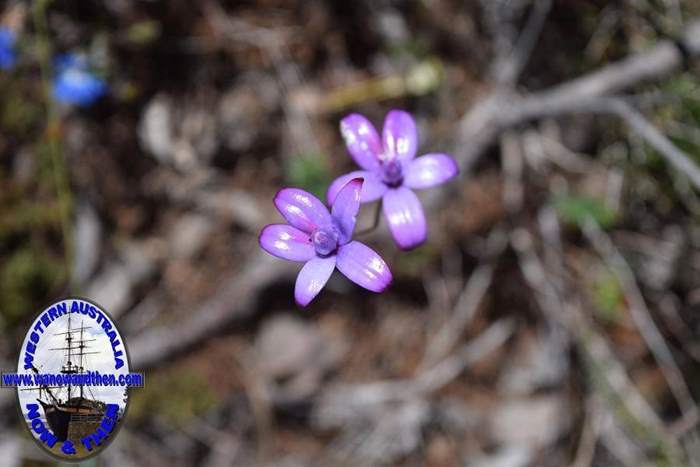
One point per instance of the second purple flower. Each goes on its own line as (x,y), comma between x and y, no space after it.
(391,173)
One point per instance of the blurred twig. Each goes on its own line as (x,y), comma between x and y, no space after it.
(510,67)
(467,304)
(235,301)
(642,318)
(608,375)
(635,120)
(505,107)
(513,167)
(668,309)
(448,369)
(430,379)
(274,44)
(383,420)
(589,436)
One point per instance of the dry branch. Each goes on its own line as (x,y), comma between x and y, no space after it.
(236,301)
(505,108)
(352,397)
(635,120)
(642,318)
(607,374)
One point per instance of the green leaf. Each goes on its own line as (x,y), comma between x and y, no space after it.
(608,297)
(414,263)
(576,210)
(144,32)
(178,395)
(29,274)
(310,172)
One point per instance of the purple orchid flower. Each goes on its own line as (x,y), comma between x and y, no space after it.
(322,240)
(391,173)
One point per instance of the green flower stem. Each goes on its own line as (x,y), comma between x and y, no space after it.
(52,134)
(375,222)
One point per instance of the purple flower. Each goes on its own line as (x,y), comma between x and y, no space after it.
(390,172)
(322,240)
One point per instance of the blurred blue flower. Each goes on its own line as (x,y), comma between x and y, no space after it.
(8,56)
(74,82)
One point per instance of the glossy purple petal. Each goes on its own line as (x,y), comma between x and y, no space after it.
(301,209)
(372,189)
(430,170)
(345,208)
(363,266)
(404,214)
(311,279)
(362,141)
(286,242)
(400,135)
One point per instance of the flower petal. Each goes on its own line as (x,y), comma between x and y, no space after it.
(78,86)
(301,209)
(363,266)
(8,54)
(400,136)
(311,279)
(404,214)
(345,207)
(372,189)
(430,170)
(286,242)
(362,141)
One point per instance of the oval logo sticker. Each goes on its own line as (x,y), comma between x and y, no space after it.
(73,379)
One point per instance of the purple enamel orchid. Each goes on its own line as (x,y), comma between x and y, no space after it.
(391,173)
(323,241)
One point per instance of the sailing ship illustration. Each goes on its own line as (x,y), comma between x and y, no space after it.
(71,411)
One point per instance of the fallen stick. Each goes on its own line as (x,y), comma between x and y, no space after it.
(505,108)
(235,301)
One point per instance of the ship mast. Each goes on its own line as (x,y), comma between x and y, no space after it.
(82,347)
(70,368)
